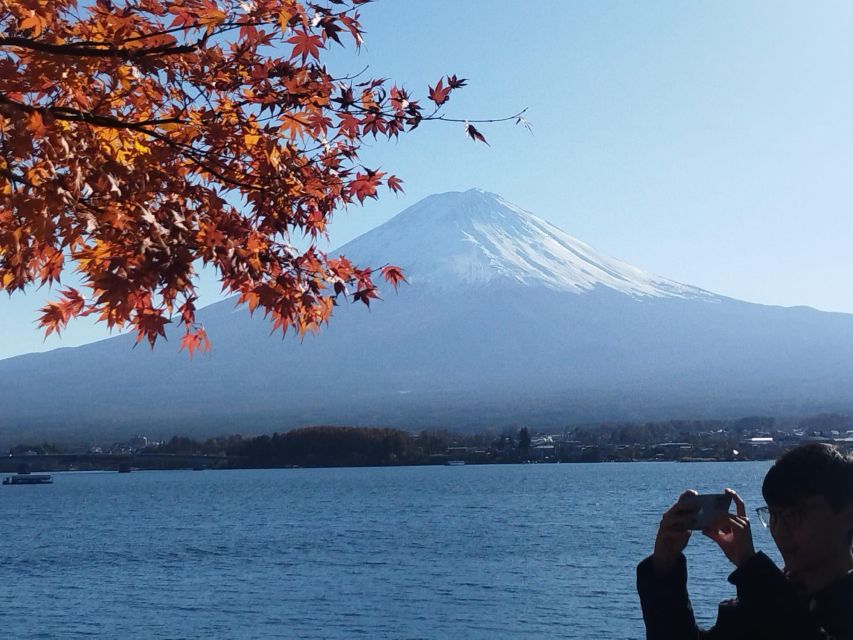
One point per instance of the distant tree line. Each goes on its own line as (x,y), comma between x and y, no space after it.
(45,448)
(328,446)
(354,446)
(693,431)
(333,446)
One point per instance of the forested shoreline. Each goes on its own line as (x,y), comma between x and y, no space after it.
(750,438)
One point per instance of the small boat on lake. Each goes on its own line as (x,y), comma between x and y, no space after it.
(455,463)
(28,478)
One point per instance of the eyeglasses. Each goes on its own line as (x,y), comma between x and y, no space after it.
(791,517)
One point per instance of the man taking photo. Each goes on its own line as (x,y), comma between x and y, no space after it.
(809,494)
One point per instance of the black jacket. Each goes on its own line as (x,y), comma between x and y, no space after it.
(768,606)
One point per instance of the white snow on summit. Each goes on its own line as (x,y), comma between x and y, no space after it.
(475,237)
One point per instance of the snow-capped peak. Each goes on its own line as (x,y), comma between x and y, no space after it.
(476,237)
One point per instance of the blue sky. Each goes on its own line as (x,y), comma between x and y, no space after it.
(711,143)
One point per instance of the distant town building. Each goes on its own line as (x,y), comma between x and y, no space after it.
(138,442)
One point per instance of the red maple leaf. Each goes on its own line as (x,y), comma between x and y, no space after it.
(195,341)
(393,274)
(475,135)
(439,94)
(306,44)
(55,315)
(150,323)
(365,184)
(456,83)
(365,295)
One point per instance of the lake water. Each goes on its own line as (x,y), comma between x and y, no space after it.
(515,551)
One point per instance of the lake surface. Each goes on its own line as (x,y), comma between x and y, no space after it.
(514,551)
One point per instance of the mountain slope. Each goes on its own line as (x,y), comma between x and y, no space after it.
(478,238)
(490,332)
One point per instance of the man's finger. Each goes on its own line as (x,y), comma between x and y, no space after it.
(684,497)
(721,522)
(678,517)
(683,504)
(713,534)
(684,515)
(740,507)
(679,525)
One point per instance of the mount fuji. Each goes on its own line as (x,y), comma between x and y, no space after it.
(478,239)
(506,320)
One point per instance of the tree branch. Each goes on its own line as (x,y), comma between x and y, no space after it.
(107,51)
(64,113)
(443,119)
(74,115)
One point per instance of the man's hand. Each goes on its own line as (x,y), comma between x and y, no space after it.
(733,533)
(673,533)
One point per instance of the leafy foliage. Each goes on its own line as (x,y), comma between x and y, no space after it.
(139,138)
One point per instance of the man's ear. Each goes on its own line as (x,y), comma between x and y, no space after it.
(846,519)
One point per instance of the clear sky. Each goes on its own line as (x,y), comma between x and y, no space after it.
(711,143)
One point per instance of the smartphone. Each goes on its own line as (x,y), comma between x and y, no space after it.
(710,506)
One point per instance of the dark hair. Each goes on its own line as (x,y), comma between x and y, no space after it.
(814,469)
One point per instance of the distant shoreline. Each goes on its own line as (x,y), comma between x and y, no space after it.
(40,466)
(342,446)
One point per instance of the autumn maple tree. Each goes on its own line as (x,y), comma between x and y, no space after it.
(141,138)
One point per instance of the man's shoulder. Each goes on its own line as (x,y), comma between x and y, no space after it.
(834,607)
(735,621)
(757,567)
(729,611)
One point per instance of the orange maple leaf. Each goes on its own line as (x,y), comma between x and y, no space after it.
(393,274)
